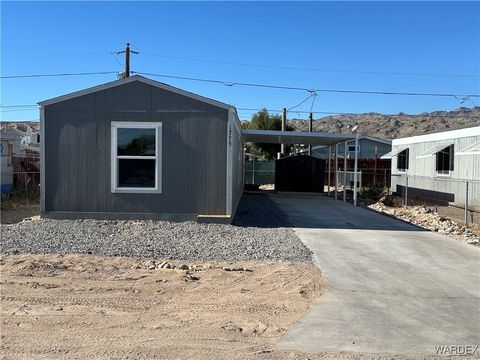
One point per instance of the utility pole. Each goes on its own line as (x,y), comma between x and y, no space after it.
(284,125)
(310,129)
(127,52)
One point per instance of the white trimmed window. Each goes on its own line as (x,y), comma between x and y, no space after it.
(136,157)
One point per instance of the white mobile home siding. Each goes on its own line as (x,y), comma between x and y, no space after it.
(422,175)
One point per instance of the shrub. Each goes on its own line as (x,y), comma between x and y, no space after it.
(374,192)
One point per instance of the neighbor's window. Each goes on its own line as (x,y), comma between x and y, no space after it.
(136,149)
(351,148)
(445,160)
(402,160)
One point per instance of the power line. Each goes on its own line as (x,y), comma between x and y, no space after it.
(55,55)
(58,75)
(17,106)
(226,83)
(16,110)
(231,84)
(257,65)
(313,101)
(306,68)
(240,109)
(260,85)
(364,114)
(303,101)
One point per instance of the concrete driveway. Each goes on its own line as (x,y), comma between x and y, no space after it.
(393,288)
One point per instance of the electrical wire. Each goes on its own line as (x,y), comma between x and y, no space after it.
(306,68)
(313,100)
(303,101)
(250,110)
(55,55)
(17,106)
(226,83)
(260,85)
(116,59)
(360,114)
(58,75)
(231,84)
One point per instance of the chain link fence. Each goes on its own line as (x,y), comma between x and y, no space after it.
(457,198)
(462,196)
(259,172)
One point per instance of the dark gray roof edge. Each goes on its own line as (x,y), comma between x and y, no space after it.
(127,80)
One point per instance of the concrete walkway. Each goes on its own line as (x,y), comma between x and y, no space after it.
(393,288)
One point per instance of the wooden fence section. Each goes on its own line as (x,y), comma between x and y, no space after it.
(374,171)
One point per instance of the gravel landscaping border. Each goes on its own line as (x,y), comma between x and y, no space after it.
(259,232)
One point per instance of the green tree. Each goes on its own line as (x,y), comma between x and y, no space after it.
(262,120)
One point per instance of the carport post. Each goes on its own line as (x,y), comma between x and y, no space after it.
(345,173)
(329,167)
(355,175)
(284,125)
(336,171)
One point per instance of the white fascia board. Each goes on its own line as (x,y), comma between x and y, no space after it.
(444,135)
(129,80)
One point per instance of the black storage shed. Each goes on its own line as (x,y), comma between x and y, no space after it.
(302,173)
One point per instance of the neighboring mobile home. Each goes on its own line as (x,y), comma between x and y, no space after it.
(438,166)
(140,149)
(9,145)
(369,147)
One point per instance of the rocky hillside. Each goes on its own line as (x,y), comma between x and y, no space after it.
(21,128)
(373,124)
(394,126)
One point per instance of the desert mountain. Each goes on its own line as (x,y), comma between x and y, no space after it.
(394,126)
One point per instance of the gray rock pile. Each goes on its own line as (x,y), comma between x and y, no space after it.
(426,218)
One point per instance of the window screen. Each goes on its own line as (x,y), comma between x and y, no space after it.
(402,160)
(445,160)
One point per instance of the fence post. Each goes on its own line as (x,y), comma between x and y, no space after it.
(329,167)
(253,170)
(336,171)
(406,191)
(466,203)
(345,171)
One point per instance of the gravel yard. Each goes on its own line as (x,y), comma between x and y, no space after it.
(257,233)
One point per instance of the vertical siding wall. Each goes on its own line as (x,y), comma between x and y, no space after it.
(466,167)
(237,161)
(77,152)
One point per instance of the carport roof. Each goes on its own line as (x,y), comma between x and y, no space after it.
(294,137)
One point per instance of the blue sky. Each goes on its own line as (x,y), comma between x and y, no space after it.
(341,45)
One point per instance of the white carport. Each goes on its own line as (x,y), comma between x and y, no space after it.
(310,138)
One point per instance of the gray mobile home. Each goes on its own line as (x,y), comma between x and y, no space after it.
(438,166)
(369,147)
(140,149)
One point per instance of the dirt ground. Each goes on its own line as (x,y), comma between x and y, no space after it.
(12,215)
(89,307)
